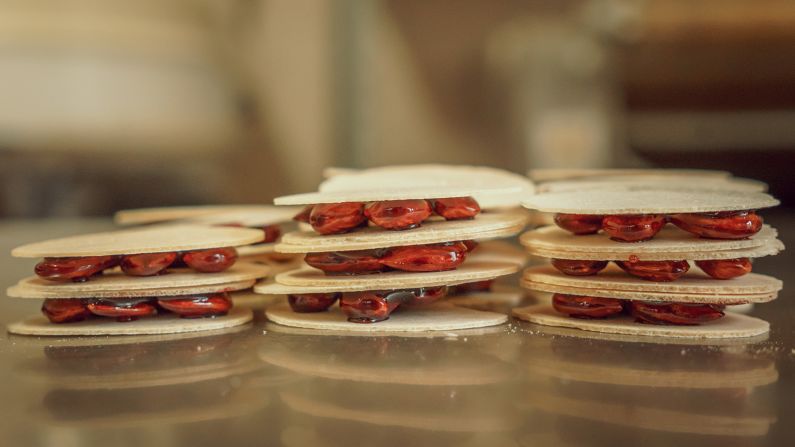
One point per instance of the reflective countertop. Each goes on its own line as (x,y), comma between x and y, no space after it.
(516,385)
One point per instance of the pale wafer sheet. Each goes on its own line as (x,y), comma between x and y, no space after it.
(311,279)
(730,326)
(377,195)
(550,174)
(670,243)
(20,291)
(433,317)
(160,324)
(700,298)
(694,281)
(646,202)
(158,239)
(255,216)
(434,175)
(115,283)
(256,249)
(484,226)
(656,182)
(142,216)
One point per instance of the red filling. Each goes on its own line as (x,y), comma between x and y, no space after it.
(335,218)
(579,223)
(398,214)
(210,261)
(123,310)
(65,310)
(147,264)
(675,313)
(720,225)
(456,208)
(198,306)
(413,258)
(726,268)
(272,233)
(426,295)
(372,307)
(633,228)
(660,271)
(76,269)
(586,306)
(312,302)
(304,215)
(579,267)
(347,262)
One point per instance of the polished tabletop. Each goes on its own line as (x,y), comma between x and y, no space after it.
(514,385)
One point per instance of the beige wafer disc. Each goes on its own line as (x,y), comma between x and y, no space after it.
(433,317)
(646,202)
(169,213)
(656,182)
(161,324)
(431,175)
(256,249)
(403,193)
(549,174)
(695,281)
(670,243)
(309,279)
(706,298)
(159,239)
(484,226)
(255,216)
(116,284)
(731,326)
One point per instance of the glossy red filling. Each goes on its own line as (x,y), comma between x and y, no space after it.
(643,312)
(412,258)
(633,228)
(336,218)
(456,208)
(426,295)
(312,302)
(122,310)
(659,271)
(576,267)
(579,223)
(398,214)
(147,264)
(586,306)
(726,268)
(720,225)
(210,261)
(212,305)
(77,269)
(372,307)
(675,313)
(65,310)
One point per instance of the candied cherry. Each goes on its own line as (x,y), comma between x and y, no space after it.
(76,269)
(212,305)
(575,267)
(633,228)
(720,225)
(427,295)
(725,268)
(303,216)
(346,262)
(579,224)
(426,258)
(212,260)
(472,287)
(471,245)
(335,218)
(123,310)
(398,214)
(65,310)
(658,271)
(147,264)
(272,233)
(586,306)
(456,208)
(372,307)
(684,314)
(312,302)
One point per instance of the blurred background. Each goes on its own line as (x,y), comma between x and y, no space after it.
(110,104)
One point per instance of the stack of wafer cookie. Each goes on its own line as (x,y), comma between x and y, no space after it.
(376,250)
(652,262)
(154,280)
